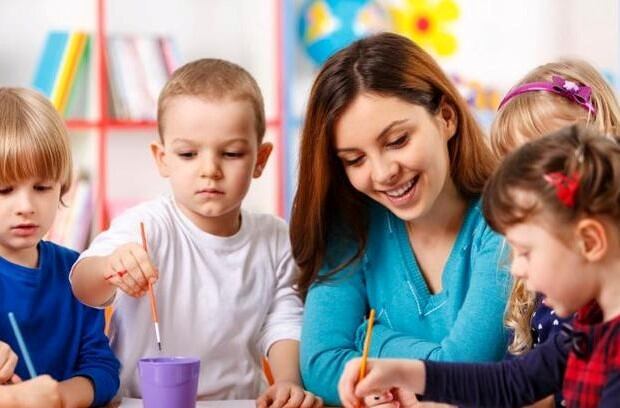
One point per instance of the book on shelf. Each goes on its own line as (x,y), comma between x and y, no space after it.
(64,58)
(138,67)
(73,221)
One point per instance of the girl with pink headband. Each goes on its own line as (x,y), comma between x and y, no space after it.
(552,96)
(548,98)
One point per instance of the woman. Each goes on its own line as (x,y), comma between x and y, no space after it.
(387,216)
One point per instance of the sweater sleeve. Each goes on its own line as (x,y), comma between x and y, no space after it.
(96,360)
(610,394)
(333,311)
(478,333)
(517,382)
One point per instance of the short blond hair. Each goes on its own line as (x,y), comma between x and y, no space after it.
(33,139)
(530,115)
(213,79)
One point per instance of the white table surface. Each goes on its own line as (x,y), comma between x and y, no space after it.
(137,403)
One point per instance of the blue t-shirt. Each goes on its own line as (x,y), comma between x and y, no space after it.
(65,338)
(463,322)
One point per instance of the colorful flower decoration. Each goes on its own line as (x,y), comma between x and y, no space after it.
(321,22)
(425,22)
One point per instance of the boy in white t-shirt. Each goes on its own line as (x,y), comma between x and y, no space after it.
(222,276)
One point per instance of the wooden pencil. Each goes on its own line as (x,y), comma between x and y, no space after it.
(371,320)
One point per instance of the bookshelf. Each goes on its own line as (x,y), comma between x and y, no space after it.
(103,124)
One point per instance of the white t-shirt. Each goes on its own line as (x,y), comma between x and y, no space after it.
(225,300)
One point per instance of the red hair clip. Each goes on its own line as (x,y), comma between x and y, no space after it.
(565,186)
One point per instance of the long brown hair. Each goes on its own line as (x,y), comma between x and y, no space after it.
(326,207)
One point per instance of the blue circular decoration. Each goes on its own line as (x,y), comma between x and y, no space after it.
(326,26)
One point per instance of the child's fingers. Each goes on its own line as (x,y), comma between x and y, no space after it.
(115,274)
(9,361)
(264,400)
(5,351)
(129,281)
(135,277)
(5,374)
(371,384)
(346,385)
(378,399)
(318,402)
(117,281)
(391,404)
(311,401)
(405,397)
(281,397)
(150,273)
(295,398)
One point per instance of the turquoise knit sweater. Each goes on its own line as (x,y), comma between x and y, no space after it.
(463,322)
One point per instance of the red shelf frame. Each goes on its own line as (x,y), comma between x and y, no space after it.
(104,123)
(88,124)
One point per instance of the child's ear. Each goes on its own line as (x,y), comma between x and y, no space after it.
(448,118)
(159,154)
(264,151)
(591,239)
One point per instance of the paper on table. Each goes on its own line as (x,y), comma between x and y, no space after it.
(137,403)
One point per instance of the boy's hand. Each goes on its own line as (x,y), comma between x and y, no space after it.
(41,391)
(288,394)
(130,268)
(403,378)
(8,361)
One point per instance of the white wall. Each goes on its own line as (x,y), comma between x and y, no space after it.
(499,40)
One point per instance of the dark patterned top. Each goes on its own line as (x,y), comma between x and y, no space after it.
(593,368)
(583,361)
(544,325)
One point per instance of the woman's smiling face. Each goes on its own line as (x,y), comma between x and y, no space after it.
(396,152)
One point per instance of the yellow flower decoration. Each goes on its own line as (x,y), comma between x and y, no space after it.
(424,21)
(321,22)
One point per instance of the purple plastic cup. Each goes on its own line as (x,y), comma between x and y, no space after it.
(169,381)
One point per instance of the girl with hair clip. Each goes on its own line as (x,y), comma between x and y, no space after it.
(557,200)
(551,96)
(387,216)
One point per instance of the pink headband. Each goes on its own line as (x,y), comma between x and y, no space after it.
(578,93)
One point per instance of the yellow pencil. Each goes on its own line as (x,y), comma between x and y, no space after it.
(371,320)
